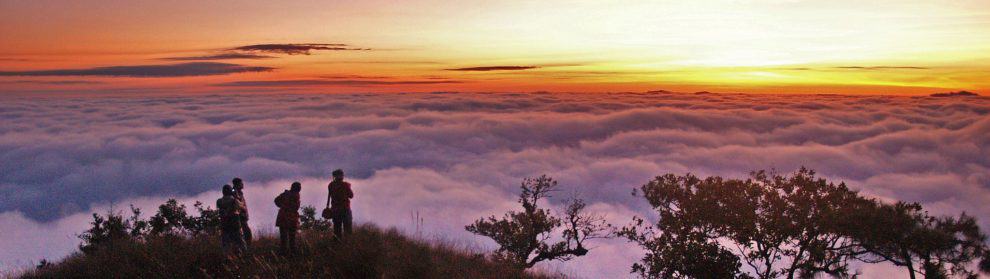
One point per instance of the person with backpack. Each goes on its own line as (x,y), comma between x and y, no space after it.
(339,204)
(287,220)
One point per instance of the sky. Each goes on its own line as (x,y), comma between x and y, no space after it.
(771,46)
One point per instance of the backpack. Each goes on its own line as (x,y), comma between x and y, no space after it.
(280,199)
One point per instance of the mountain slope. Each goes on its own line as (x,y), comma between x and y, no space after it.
(369,253)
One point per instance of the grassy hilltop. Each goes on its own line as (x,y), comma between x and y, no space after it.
(370,253)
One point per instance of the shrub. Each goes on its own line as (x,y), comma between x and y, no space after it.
(525,238)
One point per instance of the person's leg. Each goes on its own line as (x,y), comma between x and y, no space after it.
(283,238)
(348,220)
(338,223)
(247,232)
(292,240)
(237,236)
(224,241)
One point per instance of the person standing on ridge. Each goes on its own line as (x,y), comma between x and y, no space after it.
(339,203)
(287,220)
(239,194)
(230,209)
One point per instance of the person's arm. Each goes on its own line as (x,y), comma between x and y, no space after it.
(350,193)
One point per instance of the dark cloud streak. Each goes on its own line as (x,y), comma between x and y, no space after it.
(494,68)
(296,49)
(55,82)
(220,56)
(172,70)
(341,82)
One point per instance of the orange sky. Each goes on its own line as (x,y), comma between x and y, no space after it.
(770,46)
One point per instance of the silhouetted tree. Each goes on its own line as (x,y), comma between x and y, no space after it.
(935,247)
(309,221)
(208,221)
(526,238)
(112,228)
(171,218)
(793,226)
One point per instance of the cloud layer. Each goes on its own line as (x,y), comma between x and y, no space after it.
(454,157)
(169,70)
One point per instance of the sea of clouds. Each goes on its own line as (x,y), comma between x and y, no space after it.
(451,158)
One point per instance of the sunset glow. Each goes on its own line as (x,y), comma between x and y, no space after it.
(879,47)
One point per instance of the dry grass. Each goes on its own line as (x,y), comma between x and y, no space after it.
(370,253)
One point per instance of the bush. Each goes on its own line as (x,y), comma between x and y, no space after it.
(309,221)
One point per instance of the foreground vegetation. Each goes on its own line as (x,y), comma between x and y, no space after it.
(770,225)
(767,226)
(370,253)
(794,226)
(175,247)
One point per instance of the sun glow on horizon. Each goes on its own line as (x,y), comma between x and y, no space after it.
(754,46)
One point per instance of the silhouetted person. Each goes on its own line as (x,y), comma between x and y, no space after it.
(230,209)
(287,220)
(239,194)
(339,202)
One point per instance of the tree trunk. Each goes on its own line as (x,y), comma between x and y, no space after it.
(908,263)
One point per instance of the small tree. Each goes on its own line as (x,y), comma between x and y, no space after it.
(111,228)
(171,218)
(309,221)
(525,238)
(208,221)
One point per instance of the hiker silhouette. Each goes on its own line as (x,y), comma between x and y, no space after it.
(230,209)
(339,205)
(239,194)
(287,220)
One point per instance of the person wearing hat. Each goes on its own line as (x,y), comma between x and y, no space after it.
(287,220)
(339,204)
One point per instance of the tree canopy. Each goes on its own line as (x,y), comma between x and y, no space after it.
(796,226)
(527,237)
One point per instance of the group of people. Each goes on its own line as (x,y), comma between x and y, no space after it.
(235,234)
